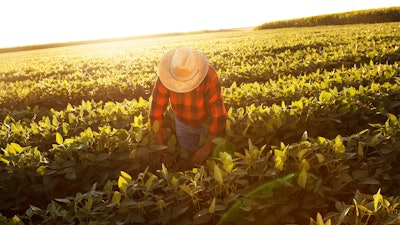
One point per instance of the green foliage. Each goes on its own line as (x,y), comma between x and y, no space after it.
(383,15)
(312,133)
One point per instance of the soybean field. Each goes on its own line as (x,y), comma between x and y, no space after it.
(312,136)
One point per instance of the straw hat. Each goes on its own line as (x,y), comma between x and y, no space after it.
(182,69)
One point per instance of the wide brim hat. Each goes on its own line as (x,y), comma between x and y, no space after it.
(182,69)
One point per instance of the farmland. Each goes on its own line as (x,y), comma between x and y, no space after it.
(312,133)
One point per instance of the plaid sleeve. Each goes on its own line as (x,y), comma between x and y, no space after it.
(159,102)
(216,104)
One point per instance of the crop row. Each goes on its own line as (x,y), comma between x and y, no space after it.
(204,194)
(290,88)
(286,88)
(77,147)
(380,95)
(354,17)
(348,83)
(96,133)
(262,57)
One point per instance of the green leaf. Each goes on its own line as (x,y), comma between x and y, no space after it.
(320,221)
(339,146)
(122,184)
(127,177)
(149,182)
(321,140)
(343,214)
(378,198)
(35,128)
(174,182)
(63,200)
(16,128)
(211,209)
(4,160)
(108,187)
(219,140)
(280,157)
(302,178)
(374,140)
(59,139)
(279,163)
(227,161)
(41,170)
(320,157)
(164,171)
(138,135)
(54,121)
(16,221)
(218,174)
(392,118)
(14,148)
(47,122)
(233,210)
(186,189)
(305,165)
(89,203)
(172,143)
(116,199)
(325,96)
(123,181)
(301,153)
(160,203)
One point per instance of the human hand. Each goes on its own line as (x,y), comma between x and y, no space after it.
(200,156)
(166,158)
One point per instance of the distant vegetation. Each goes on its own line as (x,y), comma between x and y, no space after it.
(83,42)
(382,15)
(312,136)
(103,40)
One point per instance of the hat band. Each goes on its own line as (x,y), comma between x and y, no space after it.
(182,79)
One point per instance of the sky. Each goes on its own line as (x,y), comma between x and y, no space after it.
(28,22)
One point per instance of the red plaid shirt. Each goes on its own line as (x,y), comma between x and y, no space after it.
(192,108)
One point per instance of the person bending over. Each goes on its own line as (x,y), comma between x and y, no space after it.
(187,81)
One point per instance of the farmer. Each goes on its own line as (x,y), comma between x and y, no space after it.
(190,84)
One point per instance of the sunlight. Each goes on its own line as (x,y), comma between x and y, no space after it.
(47,21)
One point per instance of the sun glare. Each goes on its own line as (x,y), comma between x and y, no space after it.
(46,21)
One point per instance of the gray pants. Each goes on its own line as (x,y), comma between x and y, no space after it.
(188,137)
